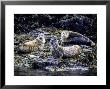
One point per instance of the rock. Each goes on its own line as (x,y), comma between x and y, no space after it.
(52,60)
(33,56)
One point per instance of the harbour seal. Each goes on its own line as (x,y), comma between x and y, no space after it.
(36,44)
(70,37)
(60,51)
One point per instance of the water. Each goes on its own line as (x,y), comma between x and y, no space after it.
(49,71)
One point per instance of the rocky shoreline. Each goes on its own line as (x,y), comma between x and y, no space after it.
(42,63)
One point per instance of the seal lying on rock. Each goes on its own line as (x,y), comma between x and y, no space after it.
(70,37)
(36,44)
(60,51)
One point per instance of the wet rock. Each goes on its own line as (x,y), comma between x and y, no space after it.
(42,63)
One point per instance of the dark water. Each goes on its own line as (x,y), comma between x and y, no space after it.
(37,72)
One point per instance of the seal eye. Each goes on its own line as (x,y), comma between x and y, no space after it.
(40,38)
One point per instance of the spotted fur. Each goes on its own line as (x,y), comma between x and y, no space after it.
(70,37)
(36,44)
(61,51)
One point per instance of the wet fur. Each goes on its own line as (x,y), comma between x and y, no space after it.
(61,51)
(34,45)
(70,37)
